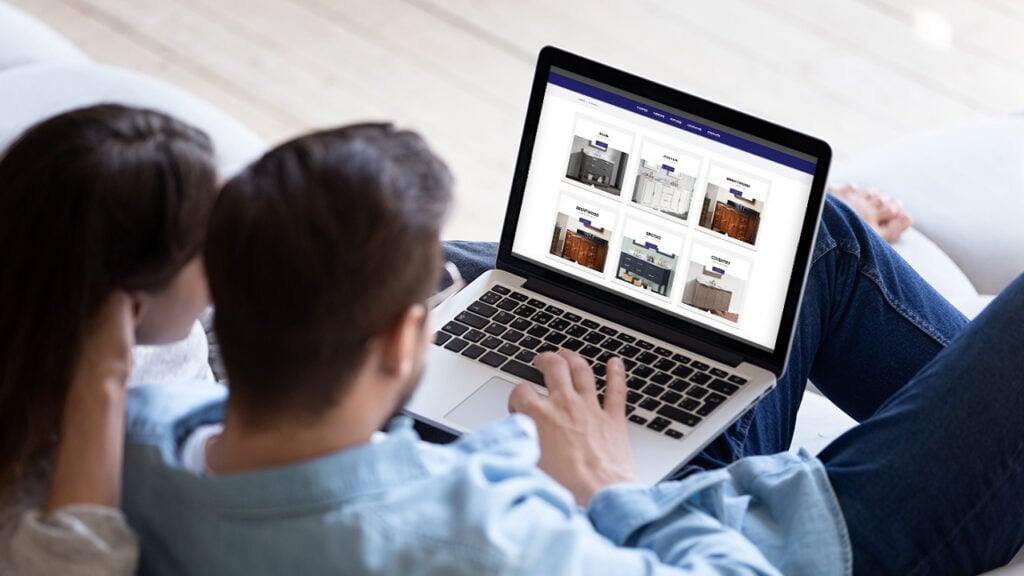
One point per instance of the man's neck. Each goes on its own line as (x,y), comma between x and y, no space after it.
(239,448)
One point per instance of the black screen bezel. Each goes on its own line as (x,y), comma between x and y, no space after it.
(553,57)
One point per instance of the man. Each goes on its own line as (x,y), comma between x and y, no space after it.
(321,257)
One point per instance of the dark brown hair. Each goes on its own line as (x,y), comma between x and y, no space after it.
(91,201)
(311,252)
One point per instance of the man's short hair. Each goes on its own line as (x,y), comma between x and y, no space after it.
(312,251)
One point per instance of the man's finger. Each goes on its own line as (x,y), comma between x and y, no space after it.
(615,393)
(582,373)
(524,400)
(557,376)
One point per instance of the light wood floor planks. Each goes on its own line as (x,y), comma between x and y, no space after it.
(855,72)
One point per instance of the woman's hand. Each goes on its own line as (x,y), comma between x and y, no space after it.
(583,445)
(88,464)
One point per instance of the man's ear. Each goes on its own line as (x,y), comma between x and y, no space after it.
(402,345)
(140,306)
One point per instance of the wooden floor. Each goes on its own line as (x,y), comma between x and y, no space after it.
(855,72)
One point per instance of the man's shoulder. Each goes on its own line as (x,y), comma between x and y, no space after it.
(159,412)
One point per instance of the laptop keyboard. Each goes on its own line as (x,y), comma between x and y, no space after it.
(666,391)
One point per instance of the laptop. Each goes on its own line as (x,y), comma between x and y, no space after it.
(645,223)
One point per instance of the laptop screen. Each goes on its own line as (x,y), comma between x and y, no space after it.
(669,210)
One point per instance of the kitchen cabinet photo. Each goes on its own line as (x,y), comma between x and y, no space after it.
(727,212)
(579,243)
(645,267)
(594,164)
(659,189)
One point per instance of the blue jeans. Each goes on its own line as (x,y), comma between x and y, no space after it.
(932,480)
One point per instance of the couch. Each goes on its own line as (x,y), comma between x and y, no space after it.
(963,184)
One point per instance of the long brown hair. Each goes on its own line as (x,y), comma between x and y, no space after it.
(93,200)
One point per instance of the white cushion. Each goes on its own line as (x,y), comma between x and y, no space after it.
(32,93)
(26,40)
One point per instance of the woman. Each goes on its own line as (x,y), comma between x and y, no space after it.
(102,216)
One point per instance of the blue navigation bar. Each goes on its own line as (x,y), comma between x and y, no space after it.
(682,123)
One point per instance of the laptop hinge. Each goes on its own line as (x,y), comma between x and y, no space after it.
(633,321)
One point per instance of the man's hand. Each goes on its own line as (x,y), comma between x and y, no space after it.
(583,446)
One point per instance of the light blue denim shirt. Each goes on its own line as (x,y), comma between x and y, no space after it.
(478,506)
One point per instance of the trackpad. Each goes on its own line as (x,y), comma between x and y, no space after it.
(488,404)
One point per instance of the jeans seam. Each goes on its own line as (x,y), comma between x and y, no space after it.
(1014,468)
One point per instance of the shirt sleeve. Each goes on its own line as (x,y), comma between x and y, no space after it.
(77,540)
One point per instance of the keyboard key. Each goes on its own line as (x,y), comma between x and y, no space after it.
(679,385)
(638,419)
(600,369)
(455,328)
(678,415)
(508,304)
(627,338)
(555,338)
(474,335)
(671,397)
(707,408)
(593,338)
(576,331)
(628,351)
(521,324)
(632,397)
(612,344)
(490,342)
(644,344)
(472,319)
(590,324)
(526,356)
(503,317)
(737,380)
(482,309)
(649,404)
(524,311)
(537,303)
(538,331)
(495,329)
(673,433)
(509,349)
(553,310)
(696,392)
(500,289)
(519,297)
(608,331)
(643,371)
(523,371)
(661,378)
(689,404)
(719,385)
(700,378)
(512,336)
(629,364)
(492,359)
(635,383)
(646,358)
(473,351)
(541,317)
(714,398)
(572,317)
(559,324)
(661,351)
(665,365)
(572,344)
(490,298)
(590,351)
(719,372)
(653,390)
(681,359)
(603,357)
(441,337)
(699,365)
(547,347)
(630,409)
(658,424)
(529,342)
(682,371)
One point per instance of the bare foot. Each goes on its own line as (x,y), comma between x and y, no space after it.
(884,214)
